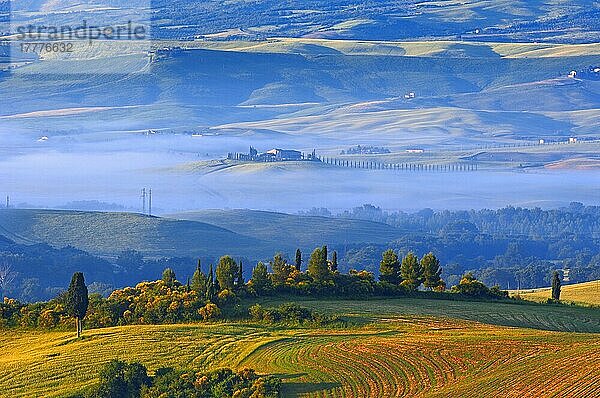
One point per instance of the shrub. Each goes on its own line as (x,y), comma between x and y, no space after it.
(209,312)
(124,380)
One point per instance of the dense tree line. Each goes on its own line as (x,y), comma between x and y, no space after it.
(119,379)
(574,220)
(222,292)
(511,247)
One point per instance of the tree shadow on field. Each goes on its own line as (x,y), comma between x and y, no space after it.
(295,389)
(298,389)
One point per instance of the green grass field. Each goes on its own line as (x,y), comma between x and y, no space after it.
(582,293)
(390,351)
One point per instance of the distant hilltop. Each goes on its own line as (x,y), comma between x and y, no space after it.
(273,155)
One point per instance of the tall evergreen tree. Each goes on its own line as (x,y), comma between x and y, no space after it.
(410,271)
(240,277)
(77,300)
(430,266)
(325,255)
(334,262)
(210,285)
(317,265)
(556,285)
(260,278)
(298,260)
(389,268)
(281,270)
(199,281)
(169,277)
(227,272)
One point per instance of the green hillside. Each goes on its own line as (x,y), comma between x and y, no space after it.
(305,232)
(253,234)
(582,293)
(111,233)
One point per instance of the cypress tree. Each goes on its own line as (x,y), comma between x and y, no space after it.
(240,277)
(556,285)
(317,265)
(169,277)
(334,262)
(389,268)
(210,285)
(298,260)
(199,281)
(77,300)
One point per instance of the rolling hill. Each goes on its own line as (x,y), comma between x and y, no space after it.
(110,233)
(582,293)
(537,20)
(392,353)
(251,234)
(305,232)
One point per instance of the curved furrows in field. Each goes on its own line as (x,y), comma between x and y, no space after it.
(367,367)
(566,370)
(541,370)
(536,321)
(177,348)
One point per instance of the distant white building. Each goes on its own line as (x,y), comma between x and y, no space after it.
(285,154)
(542,142)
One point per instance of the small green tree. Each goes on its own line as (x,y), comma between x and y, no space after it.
(470,286)
(334,262)
(431,271)
(260,278)
(199,281)
(317,265)
(389,268)
(227,271)
(168,277)
(281,270)
(210,285)
(556,285)
(298,260)
(240,277)
(410,271)
(77,300)
(121,380)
